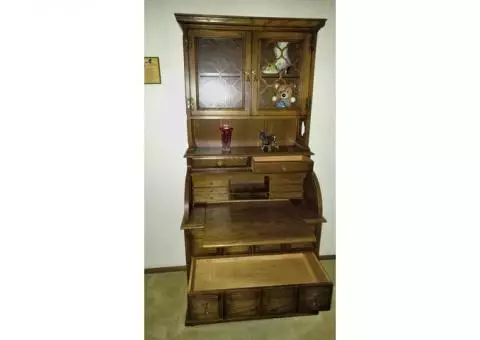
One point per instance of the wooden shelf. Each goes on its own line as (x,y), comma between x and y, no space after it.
(255,223)
(308,214)
(196,218)
(256,271)
(198,213)
(246,151)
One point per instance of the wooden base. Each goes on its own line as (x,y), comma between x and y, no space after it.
(253,287)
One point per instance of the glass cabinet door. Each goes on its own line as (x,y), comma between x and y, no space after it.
(219,81)
(280,72)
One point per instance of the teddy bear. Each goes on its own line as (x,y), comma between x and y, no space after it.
(283,97)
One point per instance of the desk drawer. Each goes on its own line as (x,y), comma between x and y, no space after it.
(204,307)
(276,164)
(279,300)
(220,162)
(287,179)
(315,299)
(243,303)
(205,181)
(210,191)
(210,198)
(253,287)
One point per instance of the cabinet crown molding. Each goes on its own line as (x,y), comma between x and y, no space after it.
(190,20)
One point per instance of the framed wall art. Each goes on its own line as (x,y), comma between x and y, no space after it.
(152,70)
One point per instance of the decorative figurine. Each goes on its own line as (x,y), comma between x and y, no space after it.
(282,60)
(283,97)
(268,142)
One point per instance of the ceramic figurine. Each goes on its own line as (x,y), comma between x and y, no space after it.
(268,142)
(282,60)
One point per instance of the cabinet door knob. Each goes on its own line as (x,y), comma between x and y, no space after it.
(247,75)
(254,76)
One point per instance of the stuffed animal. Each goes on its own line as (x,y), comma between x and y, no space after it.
(283,97)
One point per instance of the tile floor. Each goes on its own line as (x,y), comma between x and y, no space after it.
(165,306)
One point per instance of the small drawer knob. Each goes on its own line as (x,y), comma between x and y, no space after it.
(284,168)
(219,163)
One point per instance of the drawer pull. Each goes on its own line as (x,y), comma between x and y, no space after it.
(219,163)
(206,308)
(284,168)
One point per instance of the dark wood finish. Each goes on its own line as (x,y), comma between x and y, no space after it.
(268,286)
(205,307)
(250,23)
(279,301)
(314,299)
(242,303)
(252,220)
(244,151)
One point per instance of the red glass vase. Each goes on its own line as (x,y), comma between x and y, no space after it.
(226,134)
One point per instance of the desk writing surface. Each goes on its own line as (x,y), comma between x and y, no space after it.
(254,223)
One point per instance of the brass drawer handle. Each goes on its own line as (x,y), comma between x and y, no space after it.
(219,163)
(206,308)
(284,168)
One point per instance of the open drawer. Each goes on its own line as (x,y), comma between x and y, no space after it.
(252,287)
(274,164)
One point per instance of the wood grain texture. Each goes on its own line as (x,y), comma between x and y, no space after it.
(244,22)
(205,152)
(254,223)
(282,164)
(222,273)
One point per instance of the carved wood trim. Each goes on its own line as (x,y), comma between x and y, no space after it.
(191,20)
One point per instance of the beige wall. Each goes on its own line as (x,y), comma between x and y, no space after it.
(165,124)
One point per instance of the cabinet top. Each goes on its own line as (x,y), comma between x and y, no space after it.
(192,20)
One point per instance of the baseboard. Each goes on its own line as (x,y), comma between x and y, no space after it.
(165,269)
(182,268)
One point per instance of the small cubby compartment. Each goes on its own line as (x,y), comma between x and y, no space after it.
(249,188)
